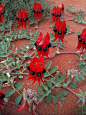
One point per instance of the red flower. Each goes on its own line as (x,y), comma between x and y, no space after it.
(29,100)
(22,18)
(36,69)
(82,40)
(37,11)
(1,100)
(60,30)
(63,8)
(23,106)
(2,12)
(43,44)
(56,14)
(67,79)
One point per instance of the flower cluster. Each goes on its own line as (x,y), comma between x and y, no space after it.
(71,74)
(82,40)
(29,100)
(22,18)
(37,11)
(36,69)
(43,44)
(60,30)
(2,12)
(1,100)
(56,13)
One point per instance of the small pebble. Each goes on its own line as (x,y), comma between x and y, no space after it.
(59,102)
(69,62)
(55,109)
(61,105)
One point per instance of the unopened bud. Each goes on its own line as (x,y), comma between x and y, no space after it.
(27,47)
(68,72)
(34,93)
(57,52)
(36,27)
(72,76)
(8,39)
(77,52)
(8,75)
(35,99)
(16,50)
(25,98)
(31,95)
(29,102)
(51,26)
(34,48)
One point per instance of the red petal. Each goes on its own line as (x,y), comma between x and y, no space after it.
(26,106)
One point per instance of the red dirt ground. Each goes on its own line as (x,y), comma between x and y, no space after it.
(64,62)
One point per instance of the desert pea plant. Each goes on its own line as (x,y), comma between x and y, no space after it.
(14,62)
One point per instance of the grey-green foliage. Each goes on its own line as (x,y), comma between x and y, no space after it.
(13,6)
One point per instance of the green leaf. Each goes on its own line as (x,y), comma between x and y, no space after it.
(84,107)
(1,83)
(26,32)
(77,17)
(26,55)
(62,76)
(74,84)
(53,69)
(84,70)
(57,85)
(1,65)
(82,18)
(48,65)
(59,94)
(67,27)
(84,112)
(57,74)
(61,46)
(23,48)
(46,74)
(48,99)
(62,98)
(41,87)
(18,99)
(75,20)
(20,76)
(19,85)
(54,100)
(64,93)
(79,21)
(10,92)
(79,111)
(73,31)
(40,91)
(49,84)
(81,63)
(9,52)
(84,58)
(78,78)
(2,55)
(1,37)
(81,76)
(10,59)
(12,46)
(34,34)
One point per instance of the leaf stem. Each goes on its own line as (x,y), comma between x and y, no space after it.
(15,89)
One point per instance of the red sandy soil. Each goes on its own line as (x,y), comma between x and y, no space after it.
(64,62)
